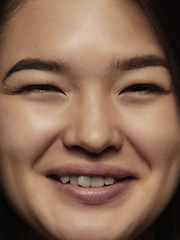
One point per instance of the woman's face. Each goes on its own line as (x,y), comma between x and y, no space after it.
(85,90)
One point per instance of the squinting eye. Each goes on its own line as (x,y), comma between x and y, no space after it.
(150,88)
(42,88)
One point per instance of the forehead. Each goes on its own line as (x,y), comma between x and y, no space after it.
(53,28)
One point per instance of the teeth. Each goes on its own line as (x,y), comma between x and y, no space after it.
(85,181)
(74,180)
(65,179)
(108,181)
(97,182)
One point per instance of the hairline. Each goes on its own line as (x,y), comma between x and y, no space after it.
(11,12)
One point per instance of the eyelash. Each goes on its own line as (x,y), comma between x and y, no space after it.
(146,87)
(40,87)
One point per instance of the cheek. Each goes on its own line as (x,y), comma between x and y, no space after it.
(155,135)
(26,132)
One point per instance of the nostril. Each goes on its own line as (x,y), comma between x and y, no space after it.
(92,139)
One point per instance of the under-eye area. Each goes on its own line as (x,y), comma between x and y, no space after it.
(88,181)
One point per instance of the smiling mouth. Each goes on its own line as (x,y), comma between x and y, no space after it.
(92,184)
(88,181)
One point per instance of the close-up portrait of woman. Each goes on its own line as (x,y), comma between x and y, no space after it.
(89,120)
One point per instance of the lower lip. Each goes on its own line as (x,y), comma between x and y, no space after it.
(94,196)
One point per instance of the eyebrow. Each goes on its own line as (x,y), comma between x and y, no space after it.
(126,64)
(140,62)
(38,64)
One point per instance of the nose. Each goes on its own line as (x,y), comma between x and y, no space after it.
(93,127)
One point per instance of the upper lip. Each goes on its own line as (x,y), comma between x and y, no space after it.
(91,170)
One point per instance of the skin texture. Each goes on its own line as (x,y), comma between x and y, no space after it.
(50,129)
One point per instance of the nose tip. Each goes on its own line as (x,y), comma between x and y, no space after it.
(95,141)
(93,137)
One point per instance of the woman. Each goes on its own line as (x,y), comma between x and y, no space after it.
(90,120)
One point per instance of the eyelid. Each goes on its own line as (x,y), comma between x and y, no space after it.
(32,77)
(18,82)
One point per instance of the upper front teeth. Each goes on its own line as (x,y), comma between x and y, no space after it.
(85,181)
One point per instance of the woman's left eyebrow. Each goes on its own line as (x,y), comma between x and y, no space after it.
(38,64)
(139,62)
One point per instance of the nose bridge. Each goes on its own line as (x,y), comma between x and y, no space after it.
(94,123)
(93,128)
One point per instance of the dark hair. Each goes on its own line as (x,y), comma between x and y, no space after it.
(165,16)
(7,9)
(7,221)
